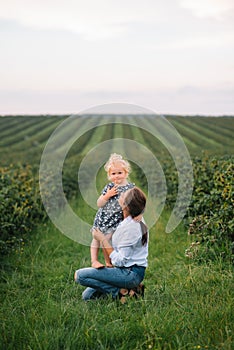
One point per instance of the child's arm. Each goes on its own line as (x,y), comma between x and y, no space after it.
(104,198)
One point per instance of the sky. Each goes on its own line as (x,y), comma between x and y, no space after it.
(66,56)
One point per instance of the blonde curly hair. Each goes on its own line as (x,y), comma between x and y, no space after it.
(117,159)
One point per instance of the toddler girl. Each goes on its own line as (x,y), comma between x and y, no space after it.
(110,214)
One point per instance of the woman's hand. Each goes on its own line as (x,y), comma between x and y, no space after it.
(98,235)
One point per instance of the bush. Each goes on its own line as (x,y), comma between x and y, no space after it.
(211,209)
(20,205)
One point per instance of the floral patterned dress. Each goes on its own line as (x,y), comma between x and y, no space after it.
(110,215)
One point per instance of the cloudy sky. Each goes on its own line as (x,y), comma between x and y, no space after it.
(65,56)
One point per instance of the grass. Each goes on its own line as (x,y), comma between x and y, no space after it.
(186,306)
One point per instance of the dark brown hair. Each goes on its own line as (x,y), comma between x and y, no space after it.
(135,200)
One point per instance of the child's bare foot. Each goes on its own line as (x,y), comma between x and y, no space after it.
(108,264)
(97,265)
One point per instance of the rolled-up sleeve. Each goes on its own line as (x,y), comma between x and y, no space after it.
(121,256)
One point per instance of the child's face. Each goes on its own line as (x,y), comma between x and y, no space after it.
(118,175)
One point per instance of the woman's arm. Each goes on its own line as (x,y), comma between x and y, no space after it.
(118,257)
(121,256)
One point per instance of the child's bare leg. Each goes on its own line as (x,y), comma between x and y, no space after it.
(94,248)
(106,256)
(107,259)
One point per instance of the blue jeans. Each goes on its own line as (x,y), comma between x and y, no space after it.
(108,280)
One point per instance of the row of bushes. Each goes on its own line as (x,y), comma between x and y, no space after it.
(20,206)
(209,216)
(211,209)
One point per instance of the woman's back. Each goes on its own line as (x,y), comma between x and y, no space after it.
(127,240)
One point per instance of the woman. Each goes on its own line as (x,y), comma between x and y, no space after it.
(128,254)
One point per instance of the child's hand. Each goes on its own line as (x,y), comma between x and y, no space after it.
(109,193)
(112,191)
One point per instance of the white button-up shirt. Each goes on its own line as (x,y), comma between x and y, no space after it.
(128,248)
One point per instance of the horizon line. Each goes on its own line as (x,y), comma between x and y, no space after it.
(115,114)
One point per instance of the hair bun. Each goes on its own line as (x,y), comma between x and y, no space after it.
(115,157)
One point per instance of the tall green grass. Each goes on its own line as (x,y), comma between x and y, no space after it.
(186,306)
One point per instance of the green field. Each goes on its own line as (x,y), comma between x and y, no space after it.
(188,303)
(23,138)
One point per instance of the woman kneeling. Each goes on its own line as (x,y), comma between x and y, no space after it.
(128,253)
